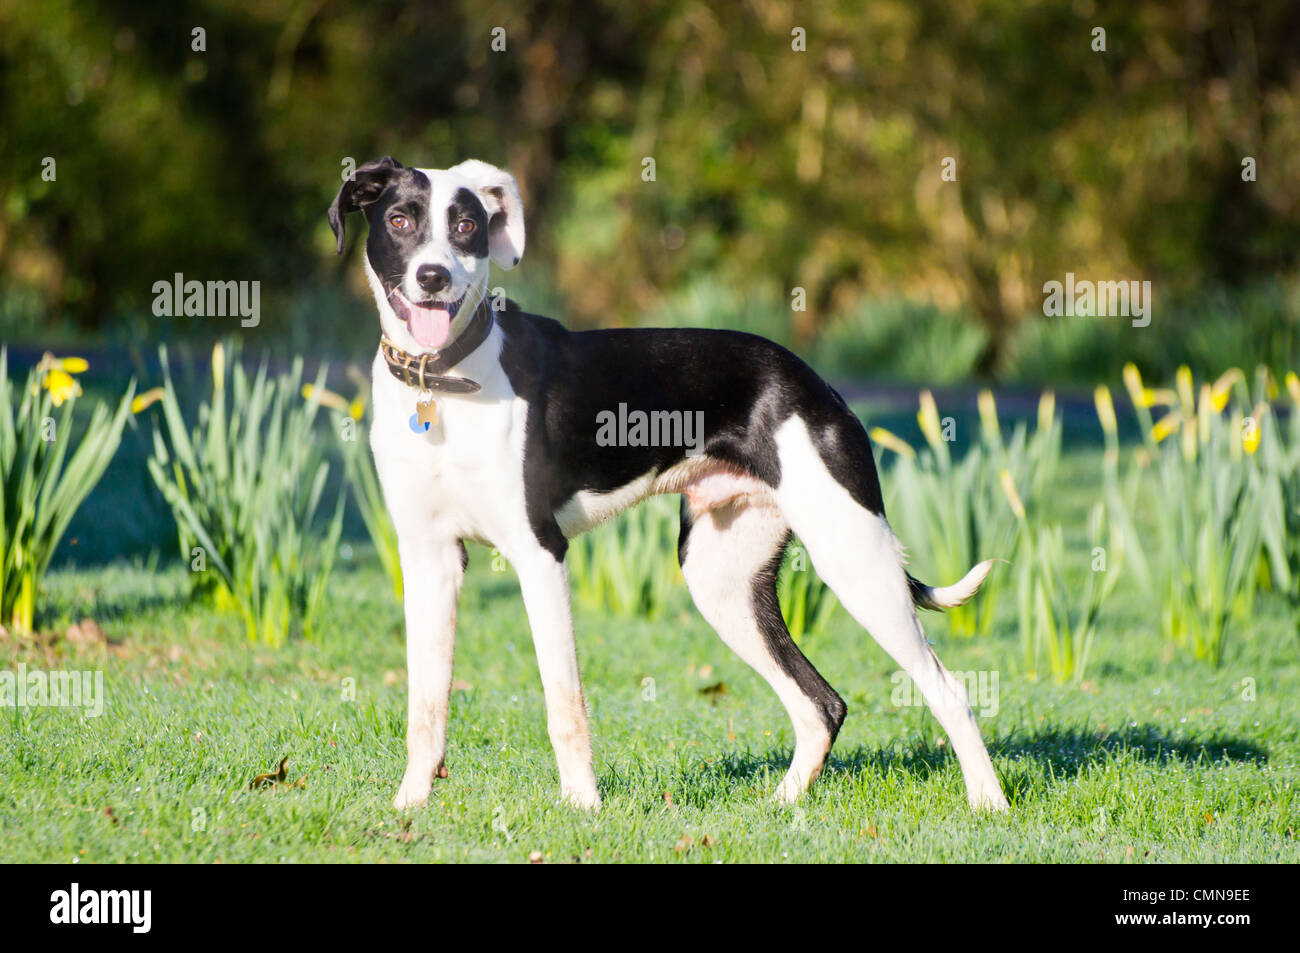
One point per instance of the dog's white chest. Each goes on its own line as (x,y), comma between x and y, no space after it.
(465,470)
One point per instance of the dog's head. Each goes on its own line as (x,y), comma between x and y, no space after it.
(432,233)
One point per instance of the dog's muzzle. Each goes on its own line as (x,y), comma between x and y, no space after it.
(429,323)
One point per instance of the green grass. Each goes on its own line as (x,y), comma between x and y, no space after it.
(1152,759)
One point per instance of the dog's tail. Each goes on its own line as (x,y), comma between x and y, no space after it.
(947,597)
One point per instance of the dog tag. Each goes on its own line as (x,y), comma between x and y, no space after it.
(426,411)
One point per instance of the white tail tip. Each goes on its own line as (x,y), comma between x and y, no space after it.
(948,597)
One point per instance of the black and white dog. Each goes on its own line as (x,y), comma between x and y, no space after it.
(485,428)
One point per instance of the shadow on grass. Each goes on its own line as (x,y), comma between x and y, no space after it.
(1057,753)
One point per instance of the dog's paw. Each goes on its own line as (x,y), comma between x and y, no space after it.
(414,791)
(790,789)
(583,800)
(988,799)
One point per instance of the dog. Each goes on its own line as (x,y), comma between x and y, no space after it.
(485,427)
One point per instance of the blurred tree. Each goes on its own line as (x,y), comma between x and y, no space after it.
(793,145)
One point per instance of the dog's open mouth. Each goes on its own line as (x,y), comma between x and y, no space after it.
(430,321)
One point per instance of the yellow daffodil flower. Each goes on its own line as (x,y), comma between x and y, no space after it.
(1183,382)
(327,398)
(61,386)
(928,418)
(1222,388)
(1013,497)
(1250,439)
(1166,425)
(147,399)
(890,442)
(1046,410)
(57,376)
(1158,397)
(1133,383)
(1105,409)
(988,410)
(218,366)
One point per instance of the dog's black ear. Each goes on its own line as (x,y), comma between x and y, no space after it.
(363,187)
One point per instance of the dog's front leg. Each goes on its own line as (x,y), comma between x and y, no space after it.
(432,570)
(544,582)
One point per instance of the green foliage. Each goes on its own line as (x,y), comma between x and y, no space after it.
(628,566)
(41,484)
(1279,459)
(359,470)
(369,497)
(955,514)
(775,168)
(900,339)
(245,487)
(1214,508)
(1058,613)
(1161,755)
(807,603)
(1206,329)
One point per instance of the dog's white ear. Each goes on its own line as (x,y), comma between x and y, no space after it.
(499,194)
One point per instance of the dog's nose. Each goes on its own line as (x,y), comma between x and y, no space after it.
(432,278)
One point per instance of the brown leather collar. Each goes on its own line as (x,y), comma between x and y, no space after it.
(424,371)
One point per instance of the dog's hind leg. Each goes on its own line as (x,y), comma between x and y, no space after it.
(856,554)
(730,556)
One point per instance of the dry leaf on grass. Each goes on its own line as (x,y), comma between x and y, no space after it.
(277,778)
(85,632)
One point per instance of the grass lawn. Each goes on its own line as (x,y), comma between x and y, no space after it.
(1154,758)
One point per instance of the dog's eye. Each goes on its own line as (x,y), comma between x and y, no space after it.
(399,222)
(465,226)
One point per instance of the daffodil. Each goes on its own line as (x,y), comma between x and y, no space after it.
(1013,497)
(61,386)
(1046,410)
(1204,412)
(1183,383)
(326,398)
(1293,386)
(1133,383)
(890,442)
(928,418)
(56,376)
(1222,388)
(218,366)
(988,410)
(1158,397)
(1250,438)
(1105,409)
(1250,434)
(1166,425)
(147,399)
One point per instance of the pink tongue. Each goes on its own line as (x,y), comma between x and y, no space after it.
(430,326)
